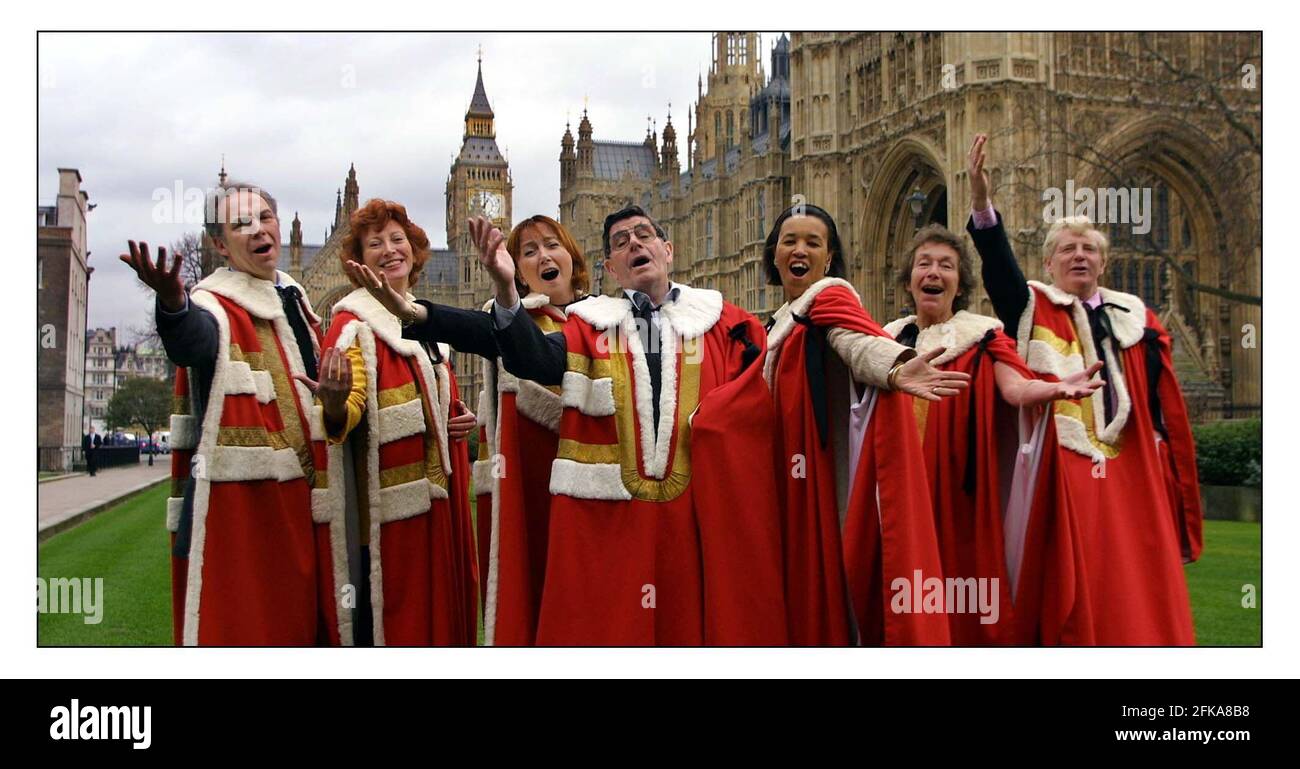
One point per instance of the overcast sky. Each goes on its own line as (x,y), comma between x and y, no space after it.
(138,113)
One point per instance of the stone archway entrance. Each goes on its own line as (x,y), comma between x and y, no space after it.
(909,192)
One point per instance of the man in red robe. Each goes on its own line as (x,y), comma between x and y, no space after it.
(255,553)
(661,531)
(1127,453)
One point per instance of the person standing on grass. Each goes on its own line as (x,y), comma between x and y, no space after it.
(1127,453)
(252,544)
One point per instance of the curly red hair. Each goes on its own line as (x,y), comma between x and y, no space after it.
(375,215)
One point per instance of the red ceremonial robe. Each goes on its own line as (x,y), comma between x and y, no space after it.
(413,484)
(852,579)
(1132,481)
(971,445)
(670,539)
(260,566)
(519,424)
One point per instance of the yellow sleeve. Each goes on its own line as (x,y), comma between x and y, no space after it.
(356,399)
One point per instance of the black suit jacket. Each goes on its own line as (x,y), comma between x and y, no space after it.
(1003,279)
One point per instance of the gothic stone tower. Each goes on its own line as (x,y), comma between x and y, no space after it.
(478,183)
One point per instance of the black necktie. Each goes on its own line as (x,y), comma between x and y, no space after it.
(301,334)
(1101,331)
(643,310)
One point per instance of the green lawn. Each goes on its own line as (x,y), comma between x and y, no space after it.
(127,546)
(1230,561)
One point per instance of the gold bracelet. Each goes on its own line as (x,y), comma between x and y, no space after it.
(893,375)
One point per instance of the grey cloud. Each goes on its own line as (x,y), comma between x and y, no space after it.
(138,112)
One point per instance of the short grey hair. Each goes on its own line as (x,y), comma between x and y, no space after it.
(212,206)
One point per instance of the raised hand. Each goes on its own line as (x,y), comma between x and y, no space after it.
(917,377)
(385,294)
(492,253)
(979,175)
(460,426)
(334,386)
(164,281)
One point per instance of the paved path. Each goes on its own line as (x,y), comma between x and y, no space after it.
(66,502)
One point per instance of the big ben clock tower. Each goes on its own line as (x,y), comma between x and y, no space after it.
(479,183)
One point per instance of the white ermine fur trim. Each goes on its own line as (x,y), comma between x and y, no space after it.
(654,448)
(593,397)
(958,334)
(174,506)
(244,380)
(256,295)
(253,463)
(202,484)
(1046,360)
(184,431)
(396,422)
(588,481)
(316,423)
(483,479)
(529,302)
(863,354)
(259,298)
(1038,359)
(540,404)
(1129,327)
(408,500)
(490,410)
(695,311)
(602,312)
(329,506)
(1072,434)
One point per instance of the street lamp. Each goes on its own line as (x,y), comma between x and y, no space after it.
(916,201)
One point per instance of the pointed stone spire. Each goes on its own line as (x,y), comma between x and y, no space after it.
(478,105)
(295,247)
(351,192)
(586,147)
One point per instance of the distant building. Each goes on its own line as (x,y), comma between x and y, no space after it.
(62,287)
(478,183)
(101,374)
(875,127)
(143,361)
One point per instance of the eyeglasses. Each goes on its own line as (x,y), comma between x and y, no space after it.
(623,238)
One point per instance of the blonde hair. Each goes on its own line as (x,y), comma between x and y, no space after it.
(1079,225)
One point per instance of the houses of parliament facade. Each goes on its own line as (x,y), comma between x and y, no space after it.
(875,128)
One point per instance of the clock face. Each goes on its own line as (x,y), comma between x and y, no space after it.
(489,204)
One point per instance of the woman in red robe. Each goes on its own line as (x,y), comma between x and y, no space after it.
(978,466)
(858,532)
(518,418)
(393,404)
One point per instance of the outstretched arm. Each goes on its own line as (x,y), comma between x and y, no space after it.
(1017,390)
